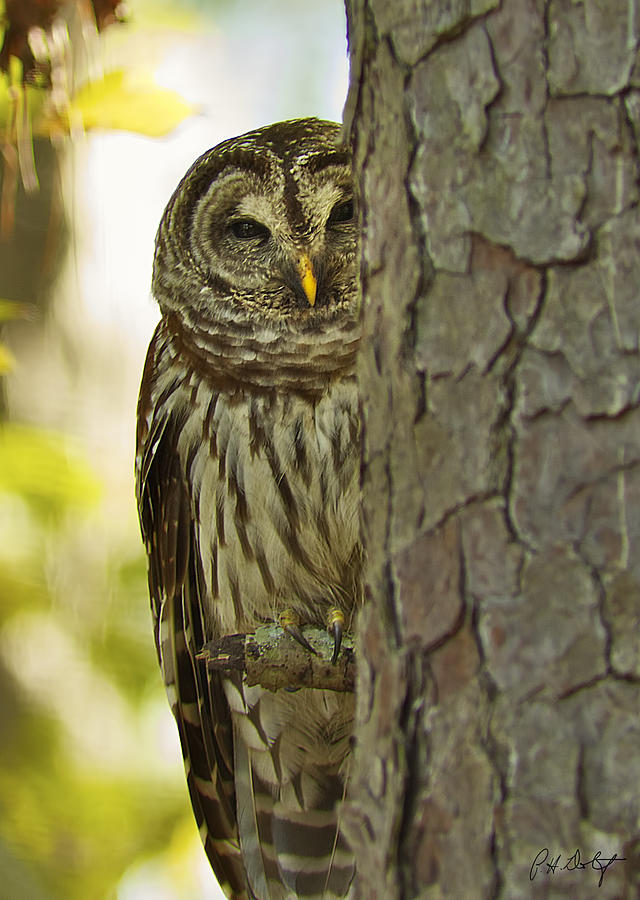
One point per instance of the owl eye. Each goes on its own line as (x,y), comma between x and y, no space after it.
(341,212)
(244,229)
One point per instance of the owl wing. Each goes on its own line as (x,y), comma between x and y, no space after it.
(176,586)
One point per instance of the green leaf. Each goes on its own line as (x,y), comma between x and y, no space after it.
(124,103)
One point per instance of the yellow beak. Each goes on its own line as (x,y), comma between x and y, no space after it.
(307,278)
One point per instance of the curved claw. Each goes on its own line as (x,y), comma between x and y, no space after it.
(335,626)
(290,623)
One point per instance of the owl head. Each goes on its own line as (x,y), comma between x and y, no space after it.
(262,230)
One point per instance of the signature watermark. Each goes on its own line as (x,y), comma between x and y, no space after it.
(547,864)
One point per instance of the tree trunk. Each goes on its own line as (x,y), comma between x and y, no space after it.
(498,712)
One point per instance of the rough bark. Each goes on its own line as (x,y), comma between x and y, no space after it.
(498,689)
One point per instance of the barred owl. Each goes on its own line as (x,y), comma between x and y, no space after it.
(247,472)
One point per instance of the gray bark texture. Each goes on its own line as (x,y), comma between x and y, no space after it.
(498,686)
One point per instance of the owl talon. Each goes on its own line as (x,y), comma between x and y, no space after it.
(290,623)
(335,626)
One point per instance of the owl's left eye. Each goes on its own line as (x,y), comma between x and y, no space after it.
(341,213)
(244,229)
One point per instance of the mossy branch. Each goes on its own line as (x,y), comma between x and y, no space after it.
(274,659)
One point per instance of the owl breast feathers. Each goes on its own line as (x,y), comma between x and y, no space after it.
(248,490)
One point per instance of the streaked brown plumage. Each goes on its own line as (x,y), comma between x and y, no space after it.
(247,476)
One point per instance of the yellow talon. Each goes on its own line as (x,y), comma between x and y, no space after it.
(335,626)
(290,622)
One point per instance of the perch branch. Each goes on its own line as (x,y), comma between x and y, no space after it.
(273,659)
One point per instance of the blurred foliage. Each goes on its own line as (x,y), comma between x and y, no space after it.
(84,793)
(37,465)
(121,100)
(93,802)
(71,818)
(118,101)
(27,24)
(9,310)
(52,84)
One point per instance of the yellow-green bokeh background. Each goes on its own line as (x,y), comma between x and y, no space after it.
(92,796)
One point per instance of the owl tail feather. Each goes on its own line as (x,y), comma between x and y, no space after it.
(289,852)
